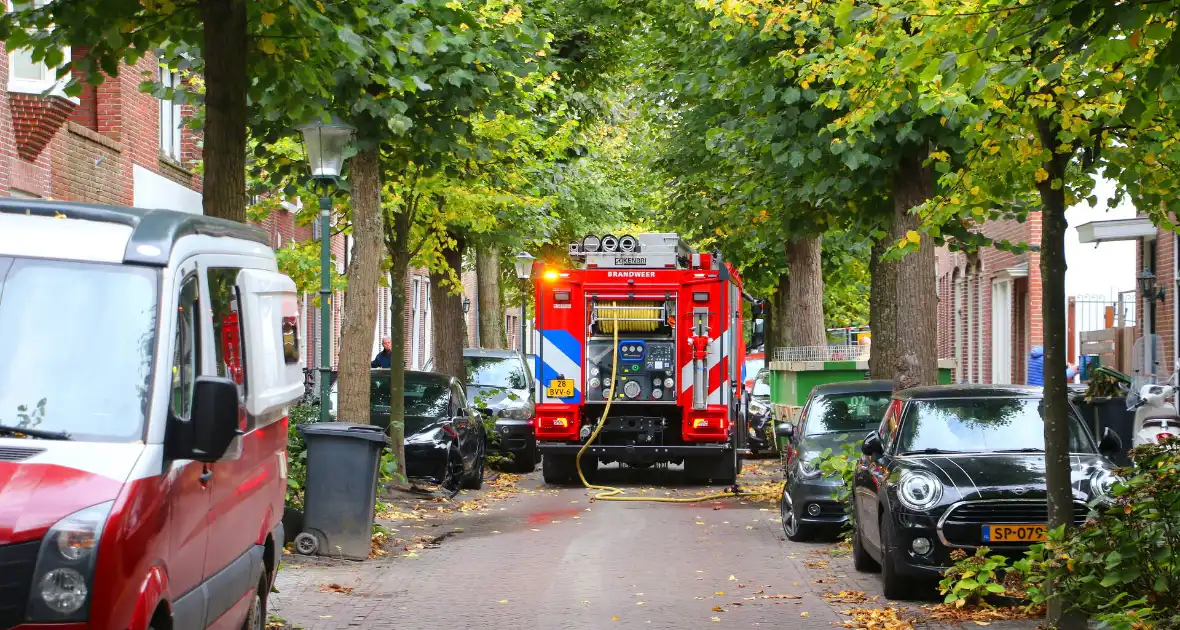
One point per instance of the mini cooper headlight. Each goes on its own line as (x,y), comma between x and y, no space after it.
(919,490)
(1101,483)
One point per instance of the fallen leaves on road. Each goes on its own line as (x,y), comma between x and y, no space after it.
(718,609)
(782,597)
(846,597)
(335,588)
(816,564)
(888,618)
(981,614)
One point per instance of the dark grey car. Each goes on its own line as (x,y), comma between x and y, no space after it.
(500,385)
(834,415)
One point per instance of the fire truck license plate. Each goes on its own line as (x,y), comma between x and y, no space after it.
(561,388)
(1014,533)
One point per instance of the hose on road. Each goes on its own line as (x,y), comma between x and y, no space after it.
(610,493)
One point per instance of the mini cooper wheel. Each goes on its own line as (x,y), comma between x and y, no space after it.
(307,544)
(861,560)
(895,585)
(794,530)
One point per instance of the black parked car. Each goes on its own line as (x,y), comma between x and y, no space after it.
(444,434)
(500,385)
(959,467)
(834,415)
(760,430)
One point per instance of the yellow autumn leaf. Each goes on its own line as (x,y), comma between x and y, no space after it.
(268,19)
(1042,175)
(267,47)
(912,236)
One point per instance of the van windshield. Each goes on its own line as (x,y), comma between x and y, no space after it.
(77,343)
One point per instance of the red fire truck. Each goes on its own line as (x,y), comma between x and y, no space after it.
(678,394)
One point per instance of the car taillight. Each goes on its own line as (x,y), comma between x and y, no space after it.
(1160,437)
(450,430)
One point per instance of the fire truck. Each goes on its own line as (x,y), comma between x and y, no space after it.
(673,317)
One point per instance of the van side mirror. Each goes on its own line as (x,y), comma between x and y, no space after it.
(207,435)
(872,445)
(1111,444)
(784,429)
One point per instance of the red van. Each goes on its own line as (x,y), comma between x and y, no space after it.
(147,360)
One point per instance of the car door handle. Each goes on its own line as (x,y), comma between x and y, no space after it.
(206,475)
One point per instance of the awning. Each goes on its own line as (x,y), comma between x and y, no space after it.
(1116,230)
(1013,272)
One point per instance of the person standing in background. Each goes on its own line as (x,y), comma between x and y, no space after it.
(384,359)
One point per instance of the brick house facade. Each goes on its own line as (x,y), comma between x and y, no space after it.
(989,306)
(1158,255)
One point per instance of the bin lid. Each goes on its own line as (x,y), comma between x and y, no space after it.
(345,429)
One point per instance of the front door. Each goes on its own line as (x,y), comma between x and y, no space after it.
(1002,332)
(189,493)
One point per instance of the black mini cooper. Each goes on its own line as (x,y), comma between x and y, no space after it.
(959,467)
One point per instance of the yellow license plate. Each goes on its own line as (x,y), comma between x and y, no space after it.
(1014,533)
(561,388)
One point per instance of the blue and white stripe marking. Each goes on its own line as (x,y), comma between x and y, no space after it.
(560,356)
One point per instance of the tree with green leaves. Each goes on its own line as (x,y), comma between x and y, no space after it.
(1045,95)
(268,54)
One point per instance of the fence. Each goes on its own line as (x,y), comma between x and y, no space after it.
(837,352)
(1103,327)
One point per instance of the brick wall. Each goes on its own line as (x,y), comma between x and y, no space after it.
(966,323)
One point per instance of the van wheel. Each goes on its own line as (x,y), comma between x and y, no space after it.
(256,617)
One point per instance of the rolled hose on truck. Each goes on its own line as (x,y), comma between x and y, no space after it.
(615,494)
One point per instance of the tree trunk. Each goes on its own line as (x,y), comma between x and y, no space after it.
(1056,414)
(883,308)
(491,313)
(779,321)
(226,82)
(805,295)
(450,328)
(397,244)
(364,276)
(916,360)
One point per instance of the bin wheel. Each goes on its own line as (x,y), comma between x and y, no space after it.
(306,544)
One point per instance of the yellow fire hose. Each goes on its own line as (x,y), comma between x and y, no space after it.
(614,494)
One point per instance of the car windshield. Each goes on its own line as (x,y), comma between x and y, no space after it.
(507,372)
(979,425)
(77,341)
(844,413)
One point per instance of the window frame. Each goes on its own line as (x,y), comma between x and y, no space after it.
(50,85)
(172,131)
(196,325)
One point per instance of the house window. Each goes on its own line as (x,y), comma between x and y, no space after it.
(33,77)
(170,117)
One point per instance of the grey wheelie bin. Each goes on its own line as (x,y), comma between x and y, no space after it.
(342,463)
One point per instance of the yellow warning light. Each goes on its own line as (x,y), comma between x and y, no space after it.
(550,275)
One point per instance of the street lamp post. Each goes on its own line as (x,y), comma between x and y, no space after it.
(524,271)
(324,144)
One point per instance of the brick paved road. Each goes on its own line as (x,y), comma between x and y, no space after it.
(552,559)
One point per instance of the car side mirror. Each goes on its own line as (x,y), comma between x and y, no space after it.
(213,425)
(1111,444)
(872,445)
(784,429)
